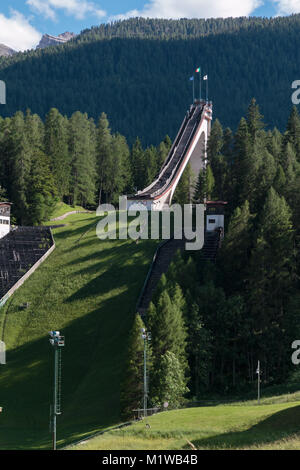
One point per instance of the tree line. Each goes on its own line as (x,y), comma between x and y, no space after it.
(137,71)
(71,159)
(211,323)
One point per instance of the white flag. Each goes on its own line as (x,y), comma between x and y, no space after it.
(205,77)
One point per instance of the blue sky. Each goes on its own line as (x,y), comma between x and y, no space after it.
(22,22)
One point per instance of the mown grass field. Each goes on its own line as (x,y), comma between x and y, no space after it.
(88,290)
(236,426)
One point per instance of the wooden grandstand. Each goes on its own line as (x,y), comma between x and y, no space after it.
(20,251)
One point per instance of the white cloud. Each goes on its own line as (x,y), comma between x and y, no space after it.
(78,8)
(287,7)
(194,9)
(17,33)
(43,8)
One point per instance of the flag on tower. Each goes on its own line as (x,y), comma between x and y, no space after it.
(205,77)
(191,78)
(198,70)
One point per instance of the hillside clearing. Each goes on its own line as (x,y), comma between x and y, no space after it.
(214,427)
(87,289)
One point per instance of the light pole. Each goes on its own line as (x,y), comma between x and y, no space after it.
(146,335)
(258,382)
(57,342)
(2,359)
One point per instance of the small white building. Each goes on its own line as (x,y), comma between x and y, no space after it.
(4,218)
(215,216)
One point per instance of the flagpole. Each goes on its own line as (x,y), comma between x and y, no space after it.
(200,83)
(207,89)
(193,90)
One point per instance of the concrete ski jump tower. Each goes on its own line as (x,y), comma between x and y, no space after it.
(190,145)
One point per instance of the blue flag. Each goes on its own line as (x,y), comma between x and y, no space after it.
(191,78)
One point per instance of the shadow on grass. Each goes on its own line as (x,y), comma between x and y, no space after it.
(121,273)
(280,425)
(96,341)
(93,361)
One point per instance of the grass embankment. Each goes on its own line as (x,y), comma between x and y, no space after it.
(88,291)
(236,426)
(61,208)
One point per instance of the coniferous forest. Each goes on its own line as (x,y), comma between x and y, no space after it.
(74,160)
(137,72)
(211,323)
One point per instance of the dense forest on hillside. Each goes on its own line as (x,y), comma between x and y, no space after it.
(142,83)
(211,323)
(174,29)
(73,160)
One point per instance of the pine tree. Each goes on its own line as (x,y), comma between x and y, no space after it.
(183,192)
(215,141)
(279,180)
(289,162)
(272,275)
(167,326)
(42,193)
(172,382)
(150,163)
(236,248)
(104,157)
(292,134)
(20,165)
(121,177)
(82,151)
(139,170)
(254,120)
(199,350)
(132,384)
(56,147)
(205,185)
(165,321)
(247,162)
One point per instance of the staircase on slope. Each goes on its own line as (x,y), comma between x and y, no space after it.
(164,256)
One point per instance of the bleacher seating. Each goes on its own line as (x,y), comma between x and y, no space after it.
(20,249)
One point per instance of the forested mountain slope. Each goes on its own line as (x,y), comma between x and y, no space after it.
(143,83)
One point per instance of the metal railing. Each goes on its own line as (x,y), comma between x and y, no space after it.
(171,154)
(179,160)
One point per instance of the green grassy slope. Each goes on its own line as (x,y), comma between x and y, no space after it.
(237,426)
(61,208)
(88,290)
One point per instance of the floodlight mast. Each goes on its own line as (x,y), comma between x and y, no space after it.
(2,360)
(258,371)
(57,341)
(146,336)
